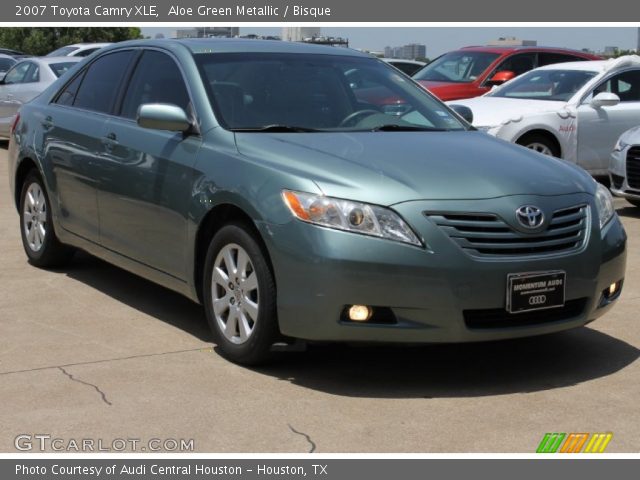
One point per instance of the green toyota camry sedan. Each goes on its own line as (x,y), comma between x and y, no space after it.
(307,192)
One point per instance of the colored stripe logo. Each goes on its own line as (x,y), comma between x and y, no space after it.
(574,442)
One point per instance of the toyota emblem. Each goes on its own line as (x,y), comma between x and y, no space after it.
(530,216)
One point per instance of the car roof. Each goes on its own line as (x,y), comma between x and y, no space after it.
(242,45)
(402,60)
(596,65)
(87,44)
(51,60)
(509,49)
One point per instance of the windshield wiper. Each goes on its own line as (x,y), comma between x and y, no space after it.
(394,127)
(276,128)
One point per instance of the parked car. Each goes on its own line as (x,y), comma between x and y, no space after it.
(13,53)
(574,111)
(247,175)
(473,71)
(408,67)
(26,80)
(77,50)
(6,62)
(624,168)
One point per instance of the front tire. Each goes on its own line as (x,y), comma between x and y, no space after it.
(39,238)
(539,143)
(240,296)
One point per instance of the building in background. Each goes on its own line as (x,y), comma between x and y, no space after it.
(411,51)
(207,32)
(610,51)
(511,42)
(299,34)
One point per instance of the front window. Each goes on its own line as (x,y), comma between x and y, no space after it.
(457,67)
(554,85)
(300,92)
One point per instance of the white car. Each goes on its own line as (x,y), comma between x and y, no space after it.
(77,50)
(624,168)
(574,110)
(26,80)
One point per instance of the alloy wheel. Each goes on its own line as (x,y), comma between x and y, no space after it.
(34,217)
(540,148)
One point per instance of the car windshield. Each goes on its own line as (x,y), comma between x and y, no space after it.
(60,68)
(62,52)
(457,67)
(558,85)
(287,92)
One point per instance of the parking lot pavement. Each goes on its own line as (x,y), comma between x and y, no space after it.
(93,352)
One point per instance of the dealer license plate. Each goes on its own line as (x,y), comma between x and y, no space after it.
(535,291)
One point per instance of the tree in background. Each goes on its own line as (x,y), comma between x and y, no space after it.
(42,40)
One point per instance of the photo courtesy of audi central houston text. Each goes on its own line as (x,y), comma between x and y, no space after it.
(203,219)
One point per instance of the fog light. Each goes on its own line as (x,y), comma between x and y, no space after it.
(612,288)
(360,313)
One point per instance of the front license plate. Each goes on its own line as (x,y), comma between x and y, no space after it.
(535,291)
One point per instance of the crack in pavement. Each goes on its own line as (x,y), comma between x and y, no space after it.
(106,360)
(72,378)
(311,442)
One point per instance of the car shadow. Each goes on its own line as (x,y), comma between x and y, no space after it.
(457,370)
(140,294)
(430,371)
(628,211)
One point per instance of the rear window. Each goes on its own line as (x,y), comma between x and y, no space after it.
(59,68)
(62,52)
(6,64)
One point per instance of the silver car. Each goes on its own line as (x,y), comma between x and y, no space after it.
(25,81)
(624,169)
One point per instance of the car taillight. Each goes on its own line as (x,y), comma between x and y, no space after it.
(15,123)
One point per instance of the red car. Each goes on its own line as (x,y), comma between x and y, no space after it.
(472,71)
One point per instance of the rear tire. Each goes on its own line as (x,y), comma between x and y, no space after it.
(539,143)
(239,296)
(39,238)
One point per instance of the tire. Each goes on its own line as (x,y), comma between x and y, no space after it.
(240,302)
(39,239)
(539,143)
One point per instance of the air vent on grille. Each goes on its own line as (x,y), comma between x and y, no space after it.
(484,234)
(633,168)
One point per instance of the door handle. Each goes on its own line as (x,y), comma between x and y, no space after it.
(109,141)
(47,123)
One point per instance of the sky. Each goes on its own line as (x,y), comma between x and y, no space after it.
(442,39)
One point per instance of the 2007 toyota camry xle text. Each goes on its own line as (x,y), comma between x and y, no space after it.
(308,192)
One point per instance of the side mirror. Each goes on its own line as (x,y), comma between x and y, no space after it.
(163,116)
(464,111)
(605,99)
(500,77)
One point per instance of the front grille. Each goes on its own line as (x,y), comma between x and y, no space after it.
(486,234)
(633,168)
(500,318)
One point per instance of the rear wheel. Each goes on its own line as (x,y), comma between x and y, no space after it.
(539,143)
(36,227)
(240,296)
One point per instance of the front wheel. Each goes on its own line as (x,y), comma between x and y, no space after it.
(539,143)
(240,296)
(36,226)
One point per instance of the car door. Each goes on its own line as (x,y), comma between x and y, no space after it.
(9,87)
(599,128)
(73,128)
(147,174)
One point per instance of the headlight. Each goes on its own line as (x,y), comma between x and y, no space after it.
(604,204)
(620,145)
(349,216)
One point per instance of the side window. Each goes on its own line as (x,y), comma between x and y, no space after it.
(157,79)
(548,58)
(518,64)
(626,85)
(17,73)
(101,81)
(68,95)
(33,74)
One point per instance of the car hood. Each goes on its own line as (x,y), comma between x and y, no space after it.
(492,111)
(392,167)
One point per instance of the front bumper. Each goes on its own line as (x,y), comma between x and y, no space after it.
(319,271)
(618,176)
